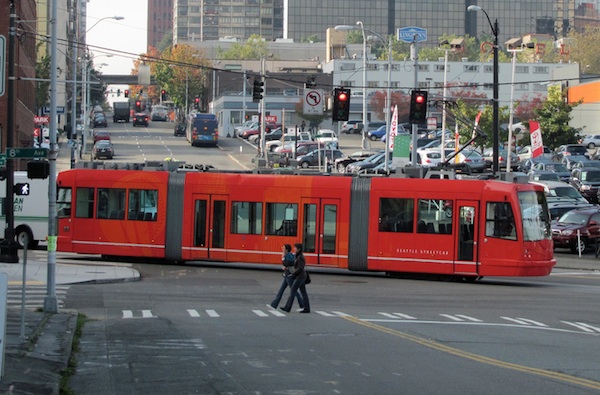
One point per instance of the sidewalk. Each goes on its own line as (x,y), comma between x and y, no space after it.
(33,363)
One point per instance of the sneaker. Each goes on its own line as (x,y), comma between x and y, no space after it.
(304,311)
(271,306)
(284,309)
(300,309)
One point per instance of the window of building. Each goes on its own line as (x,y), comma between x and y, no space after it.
(373,84)
(488,69)
(348,84)
(424,84)
(423,67)
(434,216)
(471,68)
(372,66)
(541,70)
(487,86)
(347,66)
(500,221)
(246,218)
(522,69)
(440,68)
(396,215)
(521,87)
(281,219)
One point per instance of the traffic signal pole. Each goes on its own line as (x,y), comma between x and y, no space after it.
(263,143)
(415,126)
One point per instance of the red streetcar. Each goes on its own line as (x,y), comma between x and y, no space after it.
(464,228)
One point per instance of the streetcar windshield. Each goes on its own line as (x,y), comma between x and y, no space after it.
(535,214)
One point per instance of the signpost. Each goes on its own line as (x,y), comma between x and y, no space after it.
(407,34)
(313,102)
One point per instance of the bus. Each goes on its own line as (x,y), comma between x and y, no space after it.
(462,228)
(202,129)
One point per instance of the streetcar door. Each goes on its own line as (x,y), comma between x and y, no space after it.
(319,231)
(209,227)
(467,250)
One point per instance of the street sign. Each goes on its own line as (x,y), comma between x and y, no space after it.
(59,110)
(2,160)
(2,63)
(313,102)
(407,34)
(12,153)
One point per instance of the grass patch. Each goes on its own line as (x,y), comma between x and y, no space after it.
(72,364)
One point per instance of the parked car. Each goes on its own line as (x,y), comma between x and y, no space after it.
(568,150)
(558,209)
(159,113)
(301,148)
(585,163)
(571,160)
(101,135)
(577,229)
(103,149)
(429,157)
(370,162)
(238,130)
(290,138)
(350,126)
(319,156)
(469,161)
(377,134)
(250,132)
(342,163)
(542,175)
(563,173)
(527,153)
(140,118)
(586,181)
(100,120)
(590,141)
(179,129)
(327,137)
(559,191)
(488,156)
(526,165)
(373,125)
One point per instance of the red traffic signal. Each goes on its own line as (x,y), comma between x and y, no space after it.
(126,92)
(418,106)
(342,96)
(341,104)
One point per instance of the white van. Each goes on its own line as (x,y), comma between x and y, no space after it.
(30,211)
(159,113)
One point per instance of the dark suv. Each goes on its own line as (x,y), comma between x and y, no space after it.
(586,181)
(570,149)
(585,221)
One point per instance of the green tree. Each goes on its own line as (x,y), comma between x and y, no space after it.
(584,49)
(166,41)
(253,48)
(554,116)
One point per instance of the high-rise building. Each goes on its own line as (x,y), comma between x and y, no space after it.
(160,20)
(204,20)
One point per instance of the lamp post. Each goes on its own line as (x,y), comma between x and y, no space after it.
(495,120)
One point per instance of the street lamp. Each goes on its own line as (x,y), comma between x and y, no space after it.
(364,89)
(495,120)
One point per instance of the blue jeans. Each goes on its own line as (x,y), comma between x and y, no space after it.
(298,284)
(288,281)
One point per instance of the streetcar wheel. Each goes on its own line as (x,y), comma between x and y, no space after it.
(579,247)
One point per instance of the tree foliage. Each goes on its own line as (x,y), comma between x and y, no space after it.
(580,47)
(554,116)
(314,121)
(253,48)
(379,99)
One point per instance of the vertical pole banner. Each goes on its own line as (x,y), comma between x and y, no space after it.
(537,145)
(393,128)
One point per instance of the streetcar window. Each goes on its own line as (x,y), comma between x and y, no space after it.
(281,219)
(246,218)
(434,216)
(536,217)
(84,203)
(111,203)
(63,202)
(329,228)
(143,205)
(500,221)
(396,215)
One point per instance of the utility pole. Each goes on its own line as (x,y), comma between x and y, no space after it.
(415,127)
(263,143)
(8,247)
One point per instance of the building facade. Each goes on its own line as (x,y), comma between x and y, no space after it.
(160,20)
(23,94)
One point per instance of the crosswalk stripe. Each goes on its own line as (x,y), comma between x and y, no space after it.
(147,314)
(260,313)
(341,314)
(212,313)
(127,314)
(583,326)
(325,314)
(406,316)
(193,313)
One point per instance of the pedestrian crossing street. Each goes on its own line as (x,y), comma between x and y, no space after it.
(34,296)
(388,317)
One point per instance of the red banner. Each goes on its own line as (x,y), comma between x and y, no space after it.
(537,146)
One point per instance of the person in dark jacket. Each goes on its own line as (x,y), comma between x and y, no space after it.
(288,262)
(299,277)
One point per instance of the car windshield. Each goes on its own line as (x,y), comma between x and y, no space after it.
(590,176)
(566,191)
(574,218)
(556,167)
(577,149)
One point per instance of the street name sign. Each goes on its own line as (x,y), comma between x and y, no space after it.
(12,153)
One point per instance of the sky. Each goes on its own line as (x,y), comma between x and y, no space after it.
(128,35)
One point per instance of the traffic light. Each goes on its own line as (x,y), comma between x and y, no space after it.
(418,106)
(21,189)
(341,104)
(163,95)
(138,106)
(197,102)
(257,90)
(126,92)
